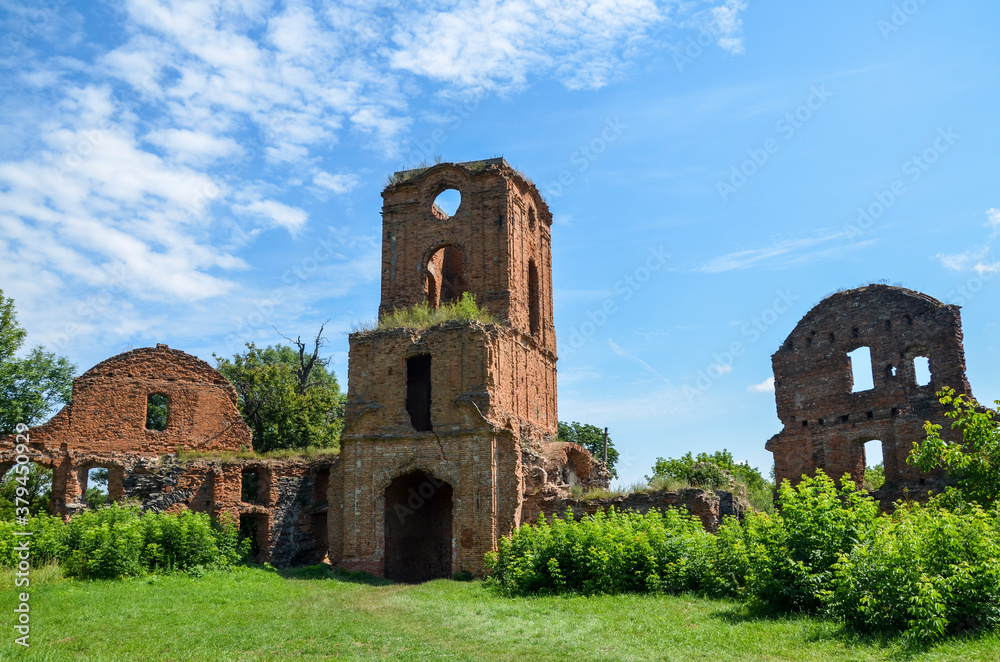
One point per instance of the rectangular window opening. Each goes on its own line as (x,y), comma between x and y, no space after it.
(861,369)
(922,370)
(157,411)
(418,392)
(252,486)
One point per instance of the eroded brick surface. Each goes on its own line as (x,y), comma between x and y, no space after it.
(489,390)
(826,424)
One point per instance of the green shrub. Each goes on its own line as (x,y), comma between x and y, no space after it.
(790,555)
(121,541)
(46,542)
(924,570)
(610,552)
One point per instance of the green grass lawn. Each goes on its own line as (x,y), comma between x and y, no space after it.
(257,614)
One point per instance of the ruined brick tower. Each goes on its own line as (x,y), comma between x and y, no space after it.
(436,418)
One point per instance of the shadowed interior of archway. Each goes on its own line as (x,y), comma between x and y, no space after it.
(418,544)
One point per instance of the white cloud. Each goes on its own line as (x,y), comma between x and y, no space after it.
(766,386)
(786,253)
(281,215)
(977,259)
(336,183)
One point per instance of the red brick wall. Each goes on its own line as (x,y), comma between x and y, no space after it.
(825,424)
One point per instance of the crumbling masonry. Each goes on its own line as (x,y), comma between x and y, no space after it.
(826,424)
(449,435)
(447,429)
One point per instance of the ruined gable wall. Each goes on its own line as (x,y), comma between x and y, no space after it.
(825,423)
(108,410)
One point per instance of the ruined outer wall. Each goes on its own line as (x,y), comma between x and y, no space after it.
(484,474)
(477,371)
(108,410)
(825,424)
(501,224)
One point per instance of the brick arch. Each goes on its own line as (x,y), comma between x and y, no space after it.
(443,272)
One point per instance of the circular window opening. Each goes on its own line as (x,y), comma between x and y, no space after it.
(446,204)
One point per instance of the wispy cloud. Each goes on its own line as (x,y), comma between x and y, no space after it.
(631,357)
(786,253)
(979,258)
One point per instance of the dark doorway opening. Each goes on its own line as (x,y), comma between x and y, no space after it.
(254,528)
(418,392)
(418,528)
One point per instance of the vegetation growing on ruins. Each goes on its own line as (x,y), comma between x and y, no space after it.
(422,316)
(287,396)
(974,465)
(590,437)
(716,471)
(33,387)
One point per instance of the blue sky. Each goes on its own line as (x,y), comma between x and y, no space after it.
(196,172)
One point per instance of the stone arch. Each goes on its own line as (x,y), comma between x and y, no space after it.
(442,268)
(418,527)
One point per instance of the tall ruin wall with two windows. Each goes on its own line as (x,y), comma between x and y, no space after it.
(828,419)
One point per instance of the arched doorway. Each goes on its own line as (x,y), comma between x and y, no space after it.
(418,528)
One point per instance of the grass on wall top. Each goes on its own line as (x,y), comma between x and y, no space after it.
(422,316)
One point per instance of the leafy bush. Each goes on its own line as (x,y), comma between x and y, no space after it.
(974,464)
(925,570)
(121,541)
(610,552)
(46,542)
(789,556)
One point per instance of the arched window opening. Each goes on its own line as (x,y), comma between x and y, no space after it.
(446,203)
(444,276)
(534,314)
(100,485)
(531,218)
(860,361)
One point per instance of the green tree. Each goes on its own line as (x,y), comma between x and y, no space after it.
(34,387)
(37,483)
(288,396)
(973,463)
(590,437)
